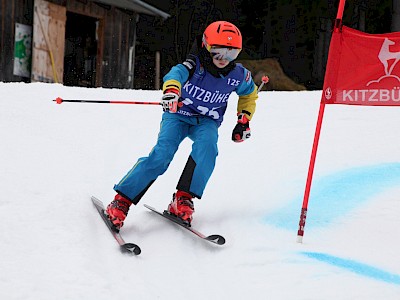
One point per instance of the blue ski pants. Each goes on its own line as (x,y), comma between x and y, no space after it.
(203,131)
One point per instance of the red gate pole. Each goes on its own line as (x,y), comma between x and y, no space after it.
(303,214)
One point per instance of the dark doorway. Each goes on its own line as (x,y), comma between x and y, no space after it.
(80,50)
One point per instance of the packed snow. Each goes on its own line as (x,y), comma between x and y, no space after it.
(54,245)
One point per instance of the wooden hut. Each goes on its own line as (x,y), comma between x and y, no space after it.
(74,42)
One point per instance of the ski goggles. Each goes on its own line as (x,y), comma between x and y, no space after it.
(222,52)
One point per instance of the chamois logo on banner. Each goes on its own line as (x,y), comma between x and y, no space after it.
(388,59)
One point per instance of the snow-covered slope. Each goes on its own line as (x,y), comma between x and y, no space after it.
(55,246)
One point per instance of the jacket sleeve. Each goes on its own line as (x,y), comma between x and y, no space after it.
(248,95)
(175,78)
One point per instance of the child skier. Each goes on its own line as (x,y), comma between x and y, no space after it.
(195,96)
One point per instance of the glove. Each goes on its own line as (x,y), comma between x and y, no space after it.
(170,101)
(242,131)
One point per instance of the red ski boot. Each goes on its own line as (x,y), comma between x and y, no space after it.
(182,207)
(117,211)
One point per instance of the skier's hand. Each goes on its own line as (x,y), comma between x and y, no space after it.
(242,131)
(170,101)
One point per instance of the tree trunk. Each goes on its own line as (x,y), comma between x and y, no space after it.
(396,16)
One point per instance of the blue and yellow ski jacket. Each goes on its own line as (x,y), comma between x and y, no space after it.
(207,95)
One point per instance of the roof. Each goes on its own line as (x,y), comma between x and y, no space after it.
(137,6)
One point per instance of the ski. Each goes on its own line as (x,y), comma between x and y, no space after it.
(214,238)
(125,247)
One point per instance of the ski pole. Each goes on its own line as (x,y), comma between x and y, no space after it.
(59,100)
(264,80)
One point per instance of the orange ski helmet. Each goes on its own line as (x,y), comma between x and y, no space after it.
(222,33)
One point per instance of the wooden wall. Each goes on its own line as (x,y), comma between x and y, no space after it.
(116,34)
(49,38)
(118,37)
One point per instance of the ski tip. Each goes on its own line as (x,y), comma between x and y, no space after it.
(217,239)
(131,248)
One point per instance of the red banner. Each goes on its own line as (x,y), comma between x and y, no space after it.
(363,69)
